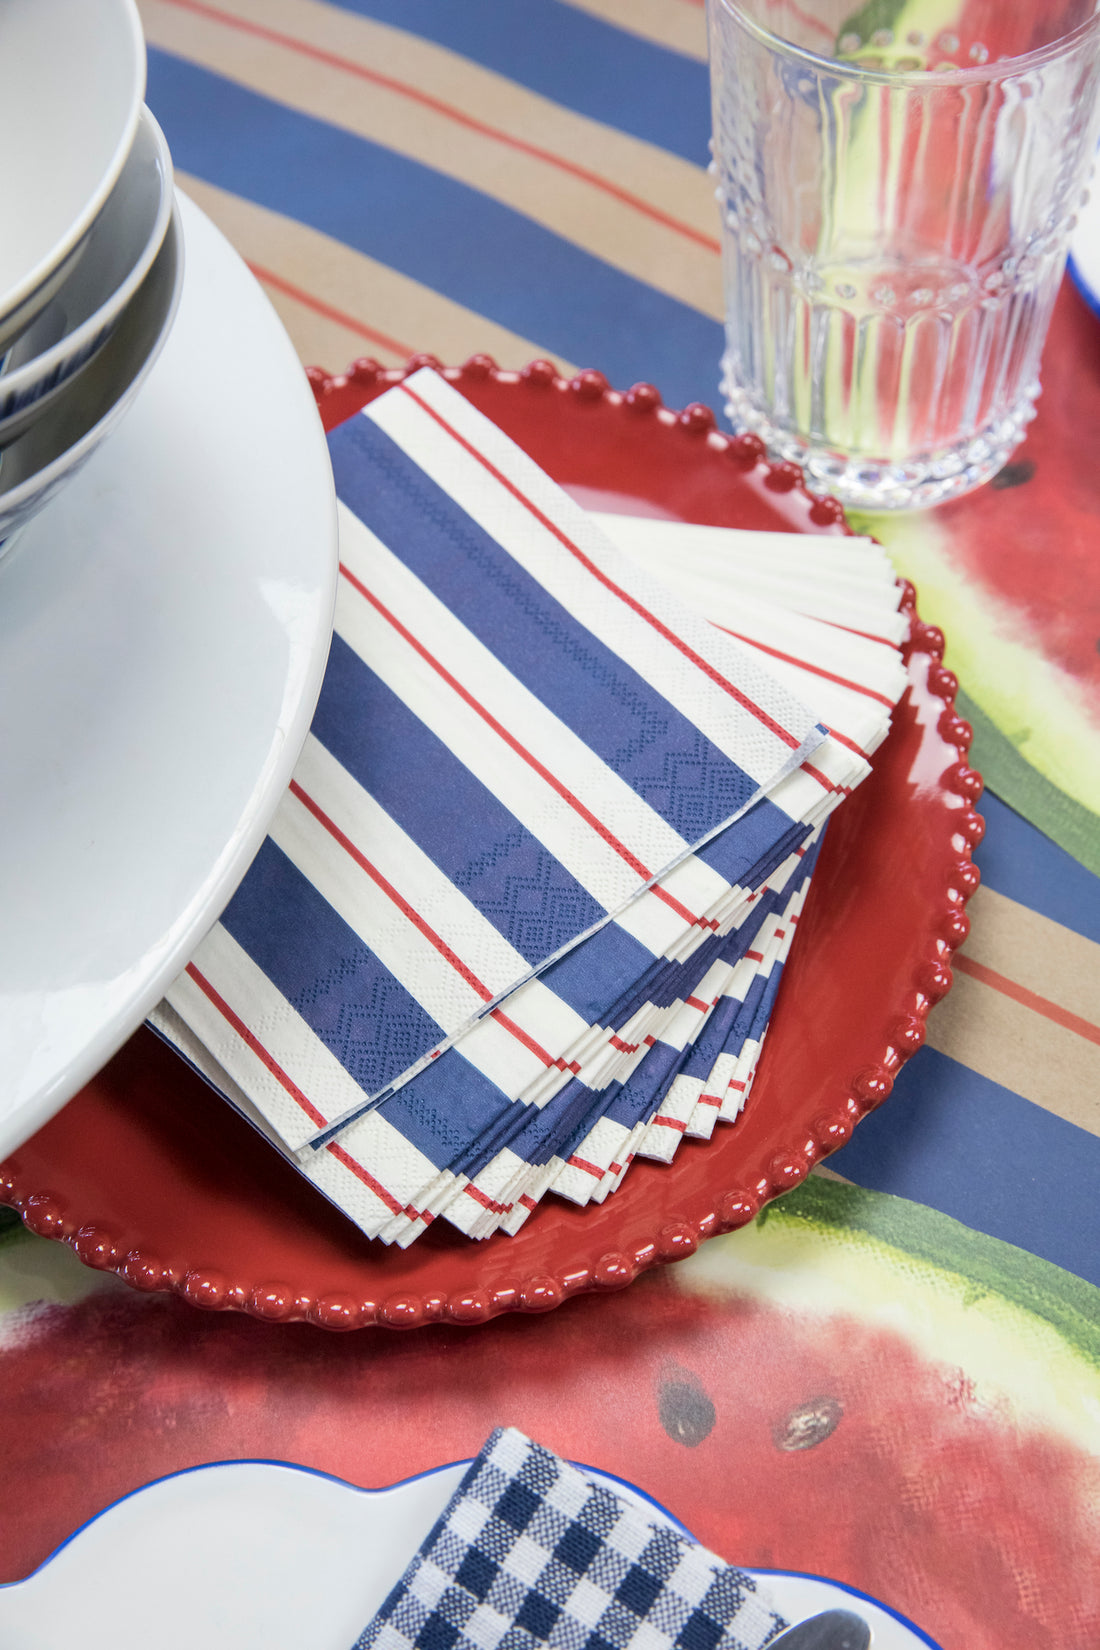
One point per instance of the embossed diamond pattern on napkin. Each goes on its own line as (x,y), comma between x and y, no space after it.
(519,733)
(530,1552)
(426,856)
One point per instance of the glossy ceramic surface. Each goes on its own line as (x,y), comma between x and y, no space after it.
(78,320)
(274,1557)
(148,1174)
(46,457)
(163,631)
(72,78)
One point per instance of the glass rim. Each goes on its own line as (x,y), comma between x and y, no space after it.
(995,69)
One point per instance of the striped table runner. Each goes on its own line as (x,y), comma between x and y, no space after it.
(529,179)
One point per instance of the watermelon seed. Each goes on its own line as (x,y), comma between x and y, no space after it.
(685,1411)
(1014,475)
(808,1424)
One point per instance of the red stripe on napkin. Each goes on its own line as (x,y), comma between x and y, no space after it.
(258,1049)
(804,664)
(392,894)
(490,720)
(589,565)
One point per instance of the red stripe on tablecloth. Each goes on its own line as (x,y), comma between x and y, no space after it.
(1027,999)
(498,728)
(332,60)
(392,894)
(697,1002)
(624,596)
(319,307)
(804,664)
(251,1041)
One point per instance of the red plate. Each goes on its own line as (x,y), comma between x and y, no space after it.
(146,1173)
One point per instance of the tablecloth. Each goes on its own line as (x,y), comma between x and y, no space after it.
(527,178)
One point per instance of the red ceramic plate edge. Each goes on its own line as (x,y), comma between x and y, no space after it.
(606,1247)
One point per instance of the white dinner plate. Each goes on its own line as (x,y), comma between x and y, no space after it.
(1084,248)
(164,626)
(260,1555)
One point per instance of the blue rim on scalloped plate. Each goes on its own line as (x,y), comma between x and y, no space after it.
(266,1553)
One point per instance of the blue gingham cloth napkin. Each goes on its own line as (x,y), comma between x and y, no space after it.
(530,1552)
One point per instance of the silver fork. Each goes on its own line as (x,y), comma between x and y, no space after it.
(831,1630)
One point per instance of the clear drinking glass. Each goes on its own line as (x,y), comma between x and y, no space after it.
(898,183)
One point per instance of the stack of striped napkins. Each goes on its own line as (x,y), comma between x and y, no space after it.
(523,913)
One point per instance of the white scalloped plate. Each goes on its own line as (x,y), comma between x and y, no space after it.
(261,1555)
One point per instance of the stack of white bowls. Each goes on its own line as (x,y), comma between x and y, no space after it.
(91,253)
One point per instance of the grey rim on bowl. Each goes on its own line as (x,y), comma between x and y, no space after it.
(50,353)
(26,293)
(51,452)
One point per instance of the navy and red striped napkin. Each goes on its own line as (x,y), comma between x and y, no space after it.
(523,913)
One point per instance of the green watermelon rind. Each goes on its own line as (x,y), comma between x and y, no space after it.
(876,14)
(1066,1303)
(1011,777)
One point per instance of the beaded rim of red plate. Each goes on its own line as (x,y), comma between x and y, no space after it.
(697,420)
(44,1214)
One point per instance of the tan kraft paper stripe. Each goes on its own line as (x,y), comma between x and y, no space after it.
(681,25)
(641,210)
(318,279)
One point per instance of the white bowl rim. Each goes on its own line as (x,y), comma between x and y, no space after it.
(39,366)
(30,486)
(18,294)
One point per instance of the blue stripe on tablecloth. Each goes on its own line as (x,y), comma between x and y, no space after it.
(486,852)
(361,1013)
(654,93)
(664,758)
(972,1149)
(1022,863)
(442,233)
